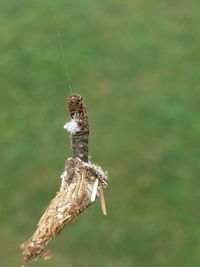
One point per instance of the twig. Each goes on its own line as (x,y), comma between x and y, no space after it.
(82,182)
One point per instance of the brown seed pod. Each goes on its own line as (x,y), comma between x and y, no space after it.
(80,136)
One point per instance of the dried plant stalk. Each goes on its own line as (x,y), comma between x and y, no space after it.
(73,198)
(82,182)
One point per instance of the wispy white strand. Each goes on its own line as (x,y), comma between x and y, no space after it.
(65,60)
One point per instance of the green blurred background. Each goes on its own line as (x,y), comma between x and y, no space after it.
(136,64)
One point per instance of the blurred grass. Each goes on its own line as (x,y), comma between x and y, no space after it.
(137,66)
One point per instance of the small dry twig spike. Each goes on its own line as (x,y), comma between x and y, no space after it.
(81,183)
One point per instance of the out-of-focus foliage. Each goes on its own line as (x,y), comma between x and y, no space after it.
(136,64)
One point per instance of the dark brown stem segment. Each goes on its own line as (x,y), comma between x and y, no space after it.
(80,138)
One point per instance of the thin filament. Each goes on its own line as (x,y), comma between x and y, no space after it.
(65,60)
